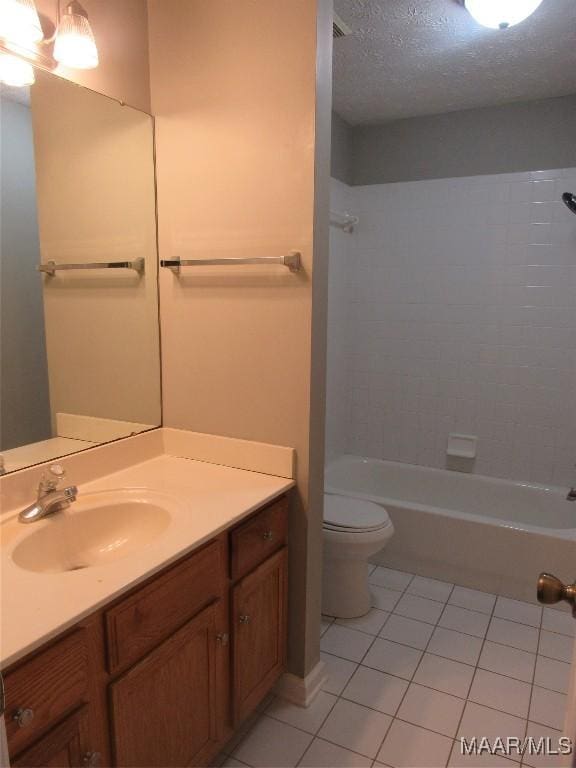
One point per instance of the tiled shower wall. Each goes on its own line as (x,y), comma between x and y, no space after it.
(455,311)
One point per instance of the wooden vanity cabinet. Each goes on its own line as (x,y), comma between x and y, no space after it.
(54,708)
(166,710)
(161,676)
(168,659)
(64,746)
(259,618)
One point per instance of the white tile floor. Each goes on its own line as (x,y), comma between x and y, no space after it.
(430,663)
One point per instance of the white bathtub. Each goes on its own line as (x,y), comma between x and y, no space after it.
(488,534)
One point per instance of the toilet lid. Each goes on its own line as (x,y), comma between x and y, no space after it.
(349,514)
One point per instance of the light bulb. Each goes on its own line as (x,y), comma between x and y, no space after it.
(501,14)
(15,71)
(19,22)
(75,46)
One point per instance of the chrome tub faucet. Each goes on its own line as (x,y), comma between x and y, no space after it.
(50,498)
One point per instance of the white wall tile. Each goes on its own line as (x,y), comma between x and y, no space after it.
(453,305)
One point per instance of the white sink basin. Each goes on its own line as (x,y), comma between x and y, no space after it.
(97,529)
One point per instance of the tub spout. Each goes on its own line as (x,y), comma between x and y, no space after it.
(571,494)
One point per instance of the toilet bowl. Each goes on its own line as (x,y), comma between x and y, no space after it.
(353,531)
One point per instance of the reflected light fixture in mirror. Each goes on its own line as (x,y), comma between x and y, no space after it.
(19,22)
(22,38)
(15,72)
(500,14)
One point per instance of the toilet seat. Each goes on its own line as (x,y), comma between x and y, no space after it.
(351,515)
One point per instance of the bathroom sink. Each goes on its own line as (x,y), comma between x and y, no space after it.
(97,529)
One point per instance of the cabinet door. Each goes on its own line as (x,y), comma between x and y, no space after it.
(166,709)
(259,626)
(65,746)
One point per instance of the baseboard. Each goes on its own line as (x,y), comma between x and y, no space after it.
(302,690)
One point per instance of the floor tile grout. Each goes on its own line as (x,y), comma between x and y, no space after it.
(410,681)
(340,696)
(449,658)
(470,687)
(399,707)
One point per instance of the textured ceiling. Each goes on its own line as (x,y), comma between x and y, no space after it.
(417,57)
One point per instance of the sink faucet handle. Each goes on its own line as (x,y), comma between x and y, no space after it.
(51,480)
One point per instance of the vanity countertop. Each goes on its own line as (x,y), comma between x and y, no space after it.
(208,499)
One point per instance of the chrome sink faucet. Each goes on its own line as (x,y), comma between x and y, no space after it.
(51,498)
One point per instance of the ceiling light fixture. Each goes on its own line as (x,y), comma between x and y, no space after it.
(75,46)
(22,41)
(500,14)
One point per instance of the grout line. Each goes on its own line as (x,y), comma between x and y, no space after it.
(385,622)
(332,743)
(534,670)
(475,666)
(409,682)
(340,695)
(339,623)
(315,734)
(472,682)
(408,687)
(239,761)
(562,634)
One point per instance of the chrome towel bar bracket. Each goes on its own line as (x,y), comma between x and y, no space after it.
(293,261)
(50,268)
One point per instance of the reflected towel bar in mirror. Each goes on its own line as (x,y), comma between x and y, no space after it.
(50,268)
(292,261)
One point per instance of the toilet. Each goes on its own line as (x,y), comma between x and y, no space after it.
(354,530)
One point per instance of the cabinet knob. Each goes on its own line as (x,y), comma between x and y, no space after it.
(23,717)
(268,535)
(244,619)
(91,759)
(223,638)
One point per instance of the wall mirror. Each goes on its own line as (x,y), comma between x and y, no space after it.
(79,354)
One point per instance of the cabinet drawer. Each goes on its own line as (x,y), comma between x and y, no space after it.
(258,538)
(155,611)
(40,691)
(65,746)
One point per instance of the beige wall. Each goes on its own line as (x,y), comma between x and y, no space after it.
(234,91)
(96,202)
(121,31)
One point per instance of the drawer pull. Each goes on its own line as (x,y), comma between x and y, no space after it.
(91,759)
(23,717)
(244,619)
(223,638)
(268,535)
